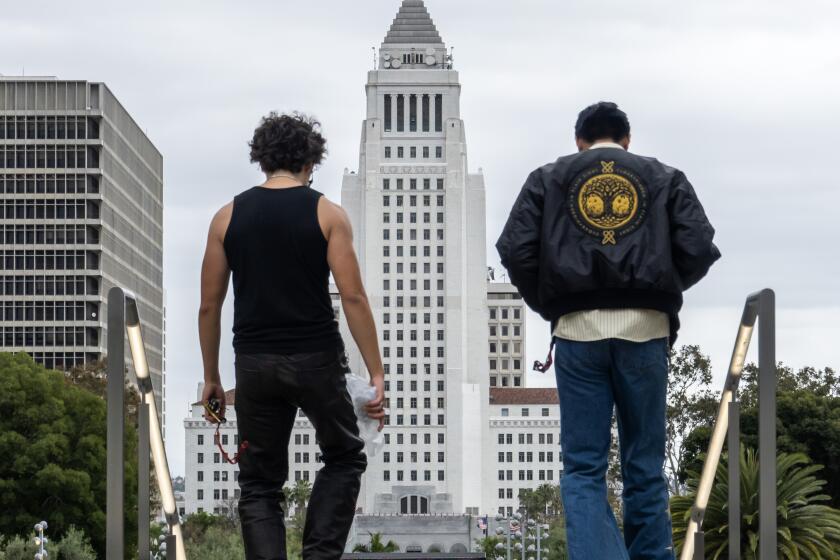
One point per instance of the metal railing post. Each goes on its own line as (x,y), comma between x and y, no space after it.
(115,500)
(733,445)
(143,543)
(699,546)
(760,305)
(767,425)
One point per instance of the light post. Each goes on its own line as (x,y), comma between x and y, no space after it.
(511,531)
(41,541)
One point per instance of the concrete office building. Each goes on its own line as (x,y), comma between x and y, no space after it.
(525,430)
(506,310)
(81,211)
(418,215)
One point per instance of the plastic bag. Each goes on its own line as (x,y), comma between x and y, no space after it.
(361,393)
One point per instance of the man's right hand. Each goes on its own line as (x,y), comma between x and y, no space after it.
(213,391)
(376,408)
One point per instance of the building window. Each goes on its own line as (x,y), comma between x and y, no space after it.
(425,152)
(439,152)
(426,112)
(200,439)
(412,113)
(505,412)
(400,115)
(387,117)
(438,113)
(200,458)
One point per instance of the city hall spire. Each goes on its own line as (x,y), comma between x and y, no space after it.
(413,41)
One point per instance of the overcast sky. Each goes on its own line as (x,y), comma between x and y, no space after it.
(740,94)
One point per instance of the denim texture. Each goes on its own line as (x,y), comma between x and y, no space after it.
(593,380)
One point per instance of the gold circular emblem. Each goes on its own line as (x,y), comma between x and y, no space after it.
(608,201)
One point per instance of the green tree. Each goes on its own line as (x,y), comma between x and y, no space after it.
(52,453)
(542,502)
(217,542)
(691,405)
(808,420)
(19,548)
(807,527)
(298,495)
(73,546)
(376,545)
(487,545)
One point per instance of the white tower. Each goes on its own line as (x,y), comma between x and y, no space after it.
(419,220)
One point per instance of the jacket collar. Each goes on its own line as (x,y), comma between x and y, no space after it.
(606,145)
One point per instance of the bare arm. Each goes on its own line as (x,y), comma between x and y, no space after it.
(215,275)
(344,265)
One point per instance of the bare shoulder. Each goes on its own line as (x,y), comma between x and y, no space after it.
(221,221)
(332,217)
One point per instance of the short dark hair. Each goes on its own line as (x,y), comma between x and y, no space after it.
(288,141)
(602,120)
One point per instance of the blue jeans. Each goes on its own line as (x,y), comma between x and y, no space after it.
(592,378)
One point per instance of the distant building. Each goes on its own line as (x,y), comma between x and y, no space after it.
(81,210)
(506,310)
(525,431)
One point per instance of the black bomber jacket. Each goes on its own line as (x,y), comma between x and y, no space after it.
(606,229)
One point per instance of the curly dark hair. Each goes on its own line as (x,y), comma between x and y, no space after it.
(287,141)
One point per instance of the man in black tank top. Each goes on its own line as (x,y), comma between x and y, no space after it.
(280,241)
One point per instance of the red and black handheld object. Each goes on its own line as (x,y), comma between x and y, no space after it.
(213,408)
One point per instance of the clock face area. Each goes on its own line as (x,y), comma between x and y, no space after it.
(411,58)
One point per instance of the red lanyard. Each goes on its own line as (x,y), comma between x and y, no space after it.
(218,441)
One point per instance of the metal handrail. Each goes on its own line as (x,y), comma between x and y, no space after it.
(123,314)
(762,306)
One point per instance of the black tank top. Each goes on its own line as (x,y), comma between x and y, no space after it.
(278,255)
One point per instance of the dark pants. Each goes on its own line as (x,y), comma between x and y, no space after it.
(592,379)
(269,391)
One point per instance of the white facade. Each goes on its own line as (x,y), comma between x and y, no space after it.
(419,221)
(525,434)
(507,335)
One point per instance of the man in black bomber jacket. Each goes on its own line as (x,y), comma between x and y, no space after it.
(602,243)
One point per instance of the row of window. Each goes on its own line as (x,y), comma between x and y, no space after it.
(412,318)
(218,494)
(527,456)
(28,337)
(49,260)
(412,152)
(412,475)
(413,438)
(412,385)
(412,234)
(219,476)
(49,310)
(505,347)
(399,284)
(409,120)
(412,251)
(529,475)
(523,438)
(48,156)
(49,183)
(414,420)
(504,364)
(412,352)
(49,285)
(49,209)
(505,313)
(412,218)
(48,128)
(414,401)
(48,234)
(63,360)
(505,330)
(399,200)
(413,457)
(412,268)
(506,380)
(412,335)
(399,184)
(200,439)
